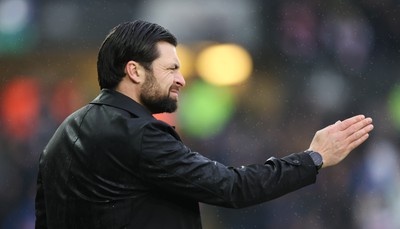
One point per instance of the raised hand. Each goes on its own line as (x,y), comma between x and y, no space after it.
(336,141)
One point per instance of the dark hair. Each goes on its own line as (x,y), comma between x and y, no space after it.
(129,41)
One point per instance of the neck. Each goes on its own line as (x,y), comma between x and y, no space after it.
(129,89)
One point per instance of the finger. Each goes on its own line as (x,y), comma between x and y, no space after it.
(358,126)
(350,121)
(358,141)
(360,133)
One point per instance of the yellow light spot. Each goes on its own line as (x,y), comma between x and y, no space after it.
(225,64)
(186,58)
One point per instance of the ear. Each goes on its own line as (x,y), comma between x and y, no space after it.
(134,71)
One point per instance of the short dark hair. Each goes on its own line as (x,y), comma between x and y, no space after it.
(129,41)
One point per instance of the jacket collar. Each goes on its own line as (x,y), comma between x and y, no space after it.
(116,99)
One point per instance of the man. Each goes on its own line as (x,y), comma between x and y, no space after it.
(112,165)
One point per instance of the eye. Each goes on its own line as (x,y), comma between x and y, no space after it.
(174,68)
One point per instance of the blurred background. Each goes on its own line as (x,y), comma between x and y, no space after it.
(262,78)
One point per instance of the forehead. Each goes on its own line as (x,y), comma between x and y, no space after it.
(167,53)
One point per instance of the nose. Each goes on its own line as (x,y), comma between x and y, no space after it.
(180,80)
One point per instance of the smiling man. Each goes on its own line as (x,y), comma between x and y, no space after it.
(111,164)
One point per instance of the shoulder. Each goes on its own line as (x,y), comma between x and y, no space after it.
(158,127)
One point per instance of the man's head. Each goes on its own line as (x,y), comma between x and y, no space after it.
(139,59)
(160,89)
(129,41)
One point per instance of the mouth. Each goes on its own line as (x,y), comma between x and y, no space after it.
(174,93)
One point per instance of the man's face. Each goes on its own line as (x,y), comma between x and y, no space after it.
(160,90)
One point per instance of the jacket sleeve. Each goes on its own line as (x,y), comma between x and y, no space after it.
(171,166)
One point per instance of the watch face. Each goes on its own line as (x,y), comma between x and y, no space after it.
(317,158)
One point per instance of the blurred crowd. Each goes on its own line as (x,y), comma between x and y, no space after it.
(320,62)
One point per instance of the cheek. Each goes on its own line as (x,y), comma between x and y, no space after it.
(167,83)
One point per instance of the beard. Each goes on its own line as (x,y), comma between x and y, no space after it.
(152,97)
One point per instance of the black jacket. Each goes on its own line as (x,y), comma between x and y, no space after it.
(112,165)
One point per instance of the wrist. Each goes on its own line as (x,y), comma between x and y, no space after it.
(317,159)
